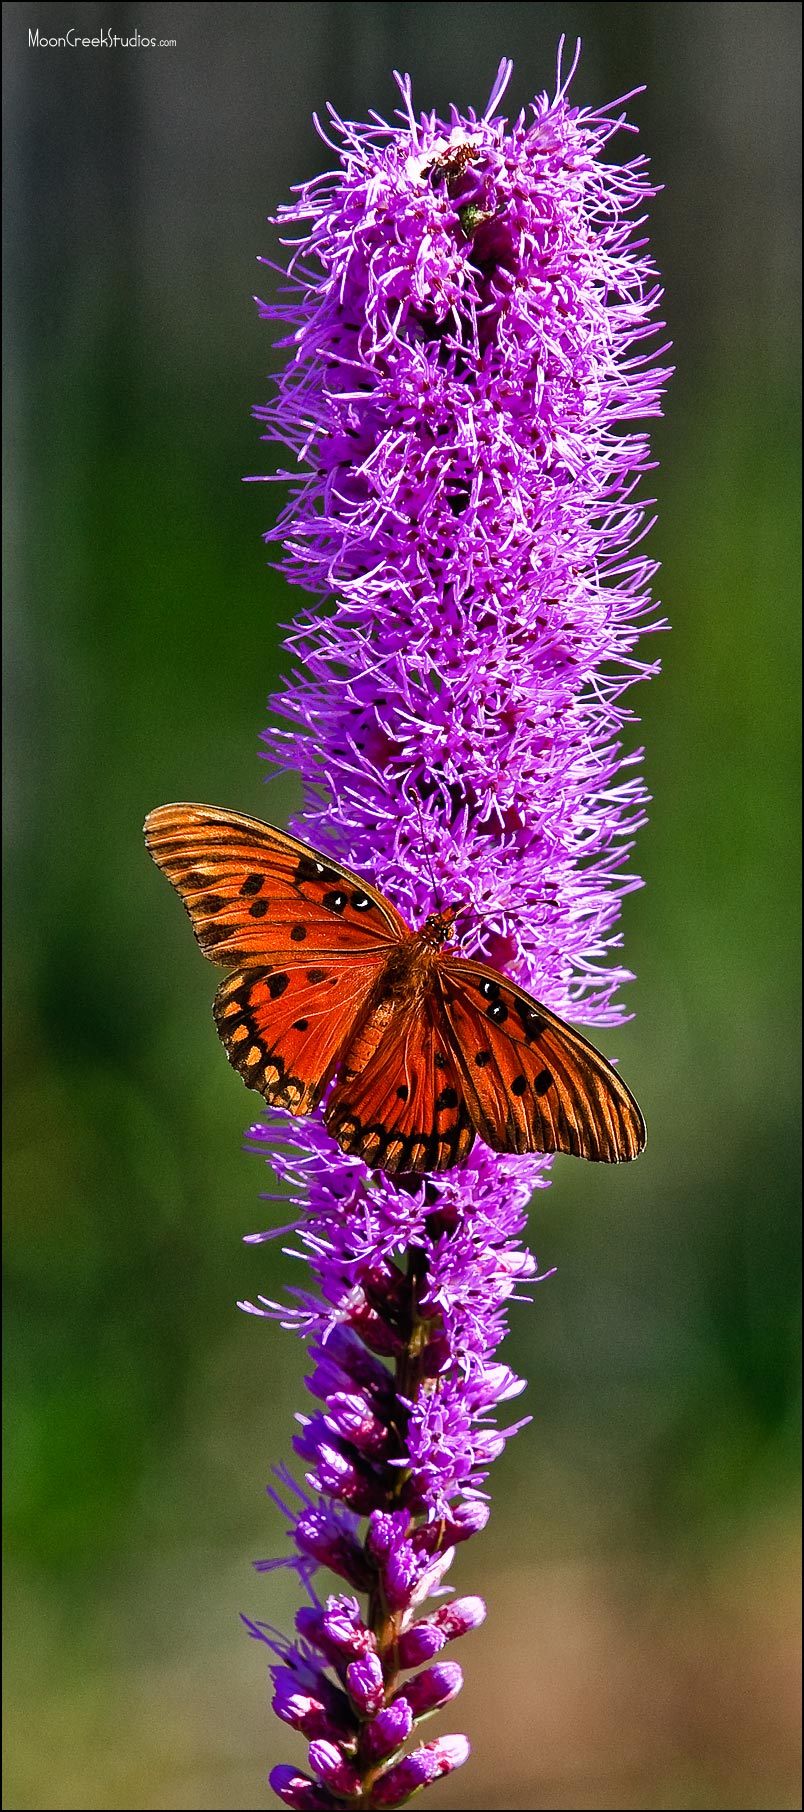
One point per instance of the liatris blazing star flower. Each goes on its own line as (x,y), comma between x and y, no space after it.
(465,299)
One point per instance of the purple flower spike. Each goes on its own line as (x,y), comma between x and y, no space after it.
(467,308)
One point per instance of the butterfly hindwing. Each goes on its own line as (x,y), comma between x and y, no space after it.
(531,1082)
(285,1029)
(403,1110)
(253,891)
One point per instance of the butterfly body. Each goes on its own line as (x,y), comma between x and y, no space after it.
(426,1048)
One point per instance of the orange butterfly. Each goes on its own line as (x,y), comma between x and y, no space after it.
(429,1048)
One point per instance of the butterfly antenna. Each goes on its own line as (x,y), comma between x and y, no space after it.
(426,852)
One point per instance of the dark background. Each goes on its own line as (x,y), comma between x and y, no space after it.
(641,1567)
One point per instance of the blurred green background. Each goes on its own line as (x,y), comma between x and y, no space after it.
(641,1567)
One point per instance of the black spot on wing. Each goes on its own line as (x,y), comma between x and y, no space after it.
(252,884)
(277,984)
(447,1098)
(309,868)
(298,934)
(335,900)
(259,909)
(543,1082)
(531,1022)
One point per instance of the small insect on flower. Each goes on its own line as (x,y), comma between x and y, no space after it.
(429,1048)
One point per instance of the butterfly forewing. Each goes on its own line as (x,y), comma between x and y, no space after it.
(531,1083)
(285,1029)
(404,1111)
(252,891)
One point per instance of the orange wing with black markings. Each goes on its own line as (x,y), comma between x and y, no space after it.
(252,890)
(531,1082)
(404,1109)
(286,1029)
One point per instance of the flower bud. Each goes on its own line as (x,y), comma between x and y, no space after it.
(417,1770)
